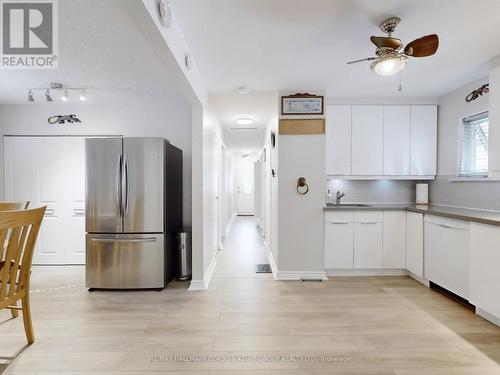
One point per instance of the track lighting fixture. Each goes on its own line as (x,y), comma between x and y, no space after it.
(57,88)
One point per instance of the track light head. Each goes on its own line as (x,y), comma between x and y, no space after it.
(65,96)
(31,98)
(47,96)
(83,96)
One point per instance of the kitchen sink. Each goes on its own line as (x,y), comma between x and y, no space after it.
(348,205)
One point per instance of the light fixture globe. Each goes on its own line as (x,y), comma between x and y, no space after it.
(244,121)
(389,64)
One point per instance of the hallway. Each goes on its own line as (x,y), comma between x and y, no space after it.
(243,250)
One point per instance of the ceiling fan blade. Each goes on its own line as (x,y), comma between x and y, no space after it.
(357,61)
(386,42)
(422,47)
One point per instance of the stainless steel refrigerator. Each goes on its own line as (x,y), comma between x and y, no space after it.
(133,212)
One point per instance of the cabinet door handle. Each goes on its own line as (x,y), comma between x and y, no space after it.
(368,222)
(340,222)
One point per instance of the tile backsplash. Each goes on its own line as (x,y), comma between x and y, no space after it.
(373,191)
(474,194)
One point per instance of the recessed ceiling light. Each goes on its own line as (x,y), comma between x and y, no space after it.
(243,90)
(244,121)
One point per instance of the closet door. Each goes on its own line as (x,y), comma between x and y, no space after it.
(50,171)
(75,201)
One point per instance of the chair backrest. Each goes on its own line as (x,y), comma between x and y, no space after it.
(14,206)
(19,229)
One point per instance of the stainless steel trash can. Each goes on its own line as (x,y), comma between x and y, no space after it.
(184,256)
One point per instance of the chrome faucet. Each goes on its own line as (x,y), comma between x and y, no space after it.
(340,196)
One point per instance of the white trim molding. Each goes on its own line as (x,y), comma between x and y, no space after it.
(366,272)
(272,263)
(421,280)
(486,315)
(299,275)
(196,285)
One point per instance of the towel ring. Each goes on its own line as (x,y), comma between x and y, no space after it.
(302,187)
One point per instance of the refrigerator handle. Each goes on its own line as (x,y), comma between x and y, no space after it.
(118,185)
(126,187)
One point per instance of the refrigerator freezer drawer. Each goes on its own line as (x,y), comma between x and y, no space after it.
(125,261)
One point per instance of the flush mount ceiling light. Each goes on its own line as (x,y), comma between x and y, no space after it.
(243,90)
(57,88)
(244,121)
(390,57)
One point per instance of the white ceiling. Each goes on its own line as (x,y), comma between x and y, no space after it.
(101,48)
(259,106)
(297,44)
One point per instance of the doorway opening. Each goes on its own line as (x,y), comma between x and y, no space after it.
(244,247)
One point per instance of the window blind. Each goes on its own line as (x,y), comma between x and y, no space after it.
(474,146)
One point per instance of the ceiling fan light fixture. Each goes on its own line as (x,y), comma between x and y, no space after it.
(389,65)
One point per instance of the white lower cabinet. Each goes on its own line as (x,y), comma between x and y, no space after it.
(368,232)
(447,254)
(394,254)
(339,233)
(484,270)
(415,243)
(339,248)
(364,240)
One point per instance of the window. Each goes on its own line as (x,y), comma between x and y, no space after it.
(474,146)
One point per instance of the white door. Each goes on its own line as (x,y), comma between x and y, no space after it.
(338,140)
(394,240)
(397,140)
(415,243)
(245,188)
(367,140)
(423,140)
(50,171)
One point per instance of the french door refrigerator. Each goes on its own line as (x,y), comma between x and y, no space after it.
(133,212)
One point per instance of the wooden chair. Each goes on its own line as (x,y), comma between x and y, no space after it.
(14,206)
(20,229)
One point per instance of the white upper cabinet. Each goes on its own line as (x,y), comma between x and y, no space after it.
(423,140)
(371,141)
(338,140)
(397,128)
(367,140)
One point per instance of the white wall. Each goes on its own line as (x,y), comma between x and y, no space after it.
(452,109)
(169,117)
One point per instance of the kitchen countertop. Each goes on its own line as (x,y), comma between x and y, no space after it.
(467,214)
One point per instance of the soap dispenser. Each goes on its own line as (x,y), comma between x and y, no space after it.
(328,197)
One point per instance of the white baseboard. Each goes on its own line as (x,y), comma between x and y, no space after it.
(488,316)
(421,280)
(207,278)
(366,272)
(300,275)
(272,263)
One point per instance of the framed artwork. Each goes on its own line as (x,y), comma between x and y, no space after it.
(302,104)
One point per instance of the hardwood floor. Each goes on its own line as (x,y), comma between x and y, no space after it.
(351,326)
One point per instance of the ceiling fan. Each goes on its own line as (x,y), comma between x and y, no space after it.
(390,58)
